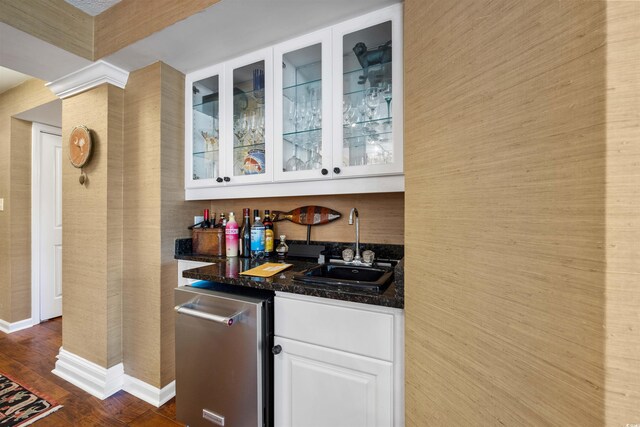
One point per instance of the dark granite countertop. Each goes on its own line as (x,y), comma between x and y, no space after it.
(227,270)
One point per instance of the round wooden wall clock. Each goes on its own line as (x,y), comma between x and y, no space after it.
(80,146)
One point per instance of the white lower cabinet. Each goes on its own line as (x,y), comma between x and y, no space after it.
(318,387)
(340,363)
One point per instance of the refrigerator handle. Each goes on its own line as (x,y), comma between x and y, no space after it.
(225,320)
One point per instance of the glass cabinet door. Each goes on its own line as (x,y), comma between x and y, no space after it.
(370,102)
(302,110)
(250,113)
(205,147)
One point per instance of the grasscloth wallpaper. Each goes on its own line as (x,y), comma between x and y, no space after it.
(522,294)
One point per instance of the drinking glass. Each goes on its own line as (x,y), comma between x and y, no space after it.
(372,99)
(315,160)
(386,92)
(294,163)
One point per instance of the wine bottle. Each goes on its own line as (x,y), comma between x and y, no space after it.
(206,223)
(245,234)
(196,225)
(257,236)
(231,235)
(268,234)
(223,221)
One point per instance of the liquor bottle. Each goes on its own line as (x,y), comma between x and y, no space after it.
(245,235)
(231,235)
(223,221)
(206,223)
(257,236)
(282,248)
(268,234)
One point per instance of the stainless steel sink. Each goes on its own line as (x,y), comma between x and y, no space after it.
(361,278)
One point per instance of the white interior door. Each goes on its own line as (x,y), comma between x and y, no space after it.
(50,221)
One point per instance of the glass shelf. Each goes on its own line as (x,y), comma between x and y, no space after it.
(249,146)
(384,121)
(202,153)
(301,132)
(204,104)
(301,85)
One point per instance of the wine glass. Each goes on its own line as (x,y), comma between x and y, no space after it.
(314,108)
(372,99)
(315,160)
(347,113)
(386,93)
(301,112)
(294,163)
(240,127)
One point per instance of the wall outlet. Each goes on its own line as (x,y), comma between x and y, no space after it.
(1,204)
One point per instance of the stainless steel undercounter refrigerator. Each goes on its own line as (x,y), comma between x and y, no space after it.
(224,364)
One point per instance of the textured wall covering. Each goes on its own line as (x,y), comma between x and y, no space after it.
(131,20)
(622,317)
(381,216)
(155,213)
(522,303)
(54,21)
(15,188)
(92,230)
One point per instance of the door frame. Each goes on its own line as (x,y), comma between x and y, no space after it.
(37,129)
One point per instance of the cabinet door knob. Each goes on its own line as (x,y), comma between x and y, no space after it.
(276,349)
(219,179)
(227,179)
(336,170)
(324,171)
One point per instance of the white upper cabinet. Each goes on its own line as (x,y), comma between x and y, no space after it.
(367,103)
(249,126)
(204,124)
(324,107)
(303,108)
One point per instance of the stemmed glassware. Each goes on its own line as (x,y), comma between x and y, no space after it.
(386,93)
(241,127)
(294,163)
(372,100)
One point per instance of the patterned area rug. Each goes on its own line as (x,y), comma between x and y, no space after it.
(21,406)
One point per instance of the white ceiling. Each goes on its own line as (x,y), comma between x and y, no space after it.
(10,78)
(232,27)
(224,30)
(92,7)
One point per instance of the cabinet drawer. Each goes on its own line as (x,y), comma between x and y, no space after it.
(187,265)
(335,325)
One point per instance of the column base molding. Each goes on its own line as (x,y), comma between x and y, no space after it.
(102,382)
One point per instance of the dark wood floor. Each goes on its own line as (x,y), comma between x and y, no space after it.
(29,355)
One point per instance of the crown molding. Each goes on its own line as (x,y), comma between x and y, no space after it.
(87,78)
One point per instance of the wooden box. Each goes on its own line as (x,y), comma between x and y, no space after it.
(209,241)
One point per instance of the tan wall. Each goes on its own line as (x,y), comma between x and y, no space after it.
(15,188)
(155,214)
(92,230)
(381,216)
(176,213)
(531,204)
(94,37)
(131,20)
(54,21)
(622,310)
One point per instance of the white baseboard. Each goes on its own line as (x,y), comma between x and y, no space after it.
(94,379)
(102,382)
(7,327)
(150,394)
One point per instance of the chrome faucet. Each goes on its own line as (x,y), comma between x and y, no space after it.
(356,259)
